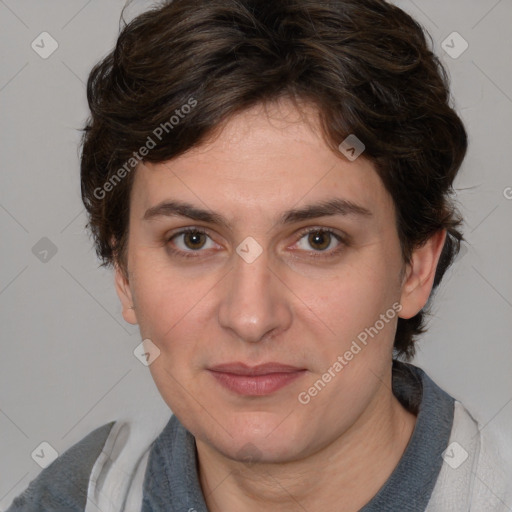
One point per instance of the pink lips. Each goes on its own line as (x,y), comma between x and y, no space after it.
(257,380)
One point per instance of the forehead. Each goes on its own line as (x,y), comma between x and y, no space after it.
(266,158)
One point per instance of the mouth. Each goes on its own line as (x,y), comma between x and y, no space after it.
(258,380)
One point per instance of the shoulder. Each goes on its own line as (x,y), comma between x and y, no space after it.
(493,474)
(474,475)
(62,486)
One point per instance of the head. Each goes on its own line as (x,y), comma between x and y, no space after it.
(233,114)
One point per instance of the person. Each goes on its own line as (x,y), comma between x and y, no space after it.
(272,184)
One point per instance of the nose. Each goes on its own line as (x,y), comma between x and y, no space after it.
(253,301)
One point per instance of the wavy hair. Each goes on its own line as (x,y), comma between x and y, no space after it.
(364,64)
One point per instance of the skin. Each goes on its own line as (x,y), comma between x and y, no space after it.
(285,306)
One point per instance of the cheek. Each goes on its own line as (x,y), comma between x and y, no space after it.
(166,297)
(355,296)
(353,357)
(171,317)
(352,325)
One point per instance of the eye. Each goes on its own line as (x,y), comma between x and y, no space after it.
(188,241)
(322,240)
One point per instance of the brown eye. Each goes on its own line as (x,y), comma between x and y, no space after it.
(319,240)
(190,242)
(194,239)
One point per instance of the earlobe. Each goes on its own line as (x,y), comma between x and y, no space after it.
(419,275)
(125,296)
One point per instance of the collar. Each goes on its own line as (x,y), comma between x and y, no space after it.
(171,481)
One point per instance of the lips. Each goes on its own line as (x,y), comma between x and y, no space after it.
(259,380)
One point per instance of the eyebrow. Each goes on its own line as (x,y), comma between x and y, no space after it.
(335,206)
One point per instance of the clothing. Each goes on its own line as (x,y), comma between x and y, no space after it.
(448,465)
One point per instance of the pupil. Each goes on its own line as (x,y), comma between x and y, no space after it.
(317,237)
(196,237)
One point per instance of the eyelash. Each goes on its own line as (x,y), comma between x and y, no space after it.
(315,254)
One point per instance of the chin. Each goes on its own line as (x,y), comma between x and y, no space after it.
(265,440)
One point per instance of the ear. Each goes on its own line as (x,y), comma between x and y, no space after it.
(125,296)
(419,275)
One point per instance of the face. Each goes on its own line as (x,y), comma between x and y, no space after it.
(271,275)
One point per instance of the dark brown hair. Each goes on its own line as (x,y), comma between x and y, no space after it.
(364,64)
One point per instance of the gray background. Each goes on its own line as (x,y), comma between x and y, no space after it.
(67,362)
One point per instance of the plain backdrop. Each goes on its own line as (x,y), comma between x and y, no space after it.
(67,364)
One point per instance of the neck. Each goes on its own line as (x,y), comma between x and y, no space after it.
(349,471)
